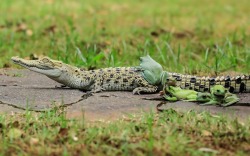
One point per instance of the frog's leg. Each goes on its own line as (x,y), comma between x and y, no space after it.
(170,98)
(229,100)
(211,102)
(191,98)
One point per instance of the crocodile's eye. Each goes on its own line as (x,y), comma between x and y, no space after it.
(45,60)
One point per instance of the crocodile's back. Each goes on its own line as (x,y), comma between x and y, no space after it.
(119,78)
(122,79)
(238,84)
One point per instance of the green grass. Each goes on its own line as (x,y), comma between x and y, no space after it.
(178,34)
(187,36)
(167,133)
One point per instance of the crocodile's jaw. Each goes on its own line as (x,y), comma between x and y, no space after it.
(38,66)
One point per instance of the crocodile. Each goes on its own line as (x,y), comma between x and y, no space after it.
(125,78)
(109,79)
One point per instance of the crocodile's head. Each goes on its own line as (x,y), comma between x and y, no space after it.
(45,65)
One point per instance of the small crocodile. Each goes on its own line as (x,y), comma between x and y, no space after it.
(109,79)
(125,78)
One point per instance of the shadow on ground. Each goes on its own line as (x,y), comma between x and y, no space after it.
(21,89)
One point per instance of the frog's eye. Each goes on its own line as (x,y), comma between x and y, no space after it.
(204,97)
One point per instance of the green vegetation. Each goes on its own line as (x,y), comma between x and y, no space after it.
(167,133)
(187,36)
(184,36)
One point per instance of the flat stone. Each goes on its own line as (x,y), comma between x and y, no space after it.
(21,89)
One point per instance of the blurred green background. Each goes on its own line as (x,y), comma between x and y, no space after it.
(188,36)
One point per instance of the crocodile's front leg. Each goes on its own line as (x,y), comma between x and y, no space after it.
(96,87)
(144,86)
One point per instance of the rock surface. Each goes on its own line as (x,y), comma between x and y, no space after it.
(21,89)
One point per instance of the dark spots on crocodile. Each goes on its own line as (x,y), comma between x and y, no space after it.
(131,72)
(140,81)
(238,80)
(196,89)
(197,84)
(116,82)
(108,80)
(193,80)
(178,78)
(242,87)
(212,81)
(109,70)
(124,74)
(227,84)
(119,77)
(187,84)
(191,88)
(201,86)
(125,80)
(111,75)
(126,70)
(133,83)
(87,78)
(76,71)
(231,89)
(227,79)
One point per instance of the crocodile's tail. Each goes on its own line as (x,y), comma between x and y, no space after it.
(238,84)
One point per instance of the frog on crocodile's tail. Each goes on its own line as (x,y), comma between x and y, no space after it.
(218,95)
(154,73)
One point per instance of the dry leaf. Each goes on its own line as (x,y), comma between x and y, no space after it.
(63,132)
(21,27)
(29,32)
(206,133)
(205,149)
(34,141)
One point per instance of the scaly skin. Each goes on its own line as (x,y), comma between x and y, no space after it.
(110,79)
(153,73)
(238,84)
(146,78)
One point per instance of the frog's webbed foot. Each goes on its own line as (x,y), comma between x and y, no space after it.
(170,98)
(212,102)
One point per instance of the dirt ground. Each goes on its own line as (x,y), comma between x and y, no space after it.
(21,89)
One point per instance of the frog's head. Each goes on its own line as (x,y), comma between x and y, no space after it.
(203,97)
(218,90)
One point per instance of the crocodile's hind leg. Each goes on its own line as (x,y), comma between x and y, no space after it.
(145,87)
